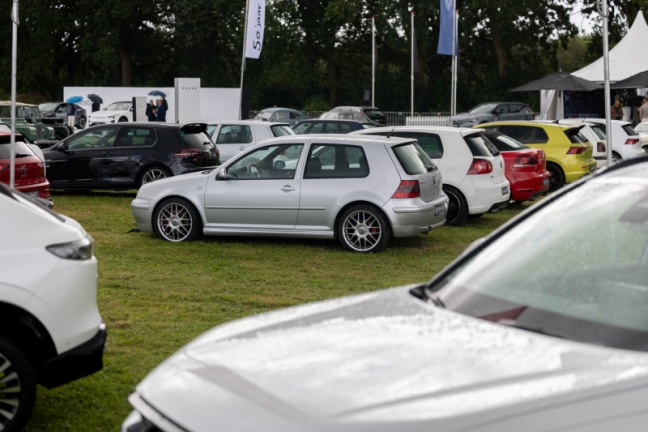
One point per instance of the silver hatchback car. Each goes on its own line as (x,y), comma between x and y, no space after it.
(360,190)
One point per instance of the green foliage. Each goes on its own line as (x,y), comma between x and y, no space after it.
(156,296)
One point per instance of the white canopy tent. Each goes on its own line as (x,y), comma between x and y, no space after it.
(626,58)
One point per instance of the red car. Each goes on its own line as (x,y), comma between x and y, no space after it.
(524,167)
(29,176)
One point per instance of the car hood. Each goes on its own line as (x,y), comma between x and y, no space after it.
(107,113)
(365,362)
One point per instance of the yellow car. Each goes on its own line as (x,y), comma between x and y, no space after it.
(569,154)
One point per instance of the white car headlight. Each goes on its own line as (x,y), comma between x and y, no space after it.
(76,250)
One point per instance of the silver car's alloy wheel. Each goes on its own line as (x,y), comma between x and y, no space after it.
(17,388)
(153,174)
(177,220)
(364,229)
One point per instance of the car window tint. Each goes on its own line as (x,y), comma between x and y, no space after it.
(502,109)
(303,128)
(523,134)
(281,130)
(196,140)
(98,137)
(515,108)
(429,142)
(628,129)
(234,134)
(413,159)
(336,161)
(575,136)
(136,137)
(479,146)
(267,163)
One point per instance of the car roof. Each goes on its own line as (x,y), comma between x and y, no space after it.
(272,109)
(18,104)
(526,123)
(248,122)
(332,121)
(445,129)
(147,124)
(344,139)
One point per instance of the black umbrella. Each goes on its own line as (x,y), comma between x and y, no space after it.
(639,80)
(157,93)
(95,98)
(559,81)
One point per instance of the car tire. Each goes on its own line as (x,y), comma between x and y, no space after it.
(557,177)
(616,157)
(152,174)
(176,219)
(18,390)
(81,123)
(363,228)
(122,119)
(457,207)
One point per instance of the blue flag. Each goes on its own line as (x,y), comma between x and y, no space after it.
(446,28)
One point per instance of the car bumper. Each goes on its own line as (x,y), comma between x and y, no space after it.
(141,209)
(632,151)
(529,187)
(578,170)
(483,197)
(76,363)
(409,218)
(100,121)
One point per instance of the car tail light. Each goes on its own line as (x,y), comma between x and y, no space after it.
(4,168)
(408,189)
(187,153)
(527,160)
(576,150)
(631,141)
(600,146)
(480,166)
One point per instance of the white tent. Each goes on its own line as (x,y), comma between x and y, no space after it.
(626,58)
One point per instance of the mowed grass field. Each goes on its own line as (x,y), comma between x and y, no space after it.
(156,296)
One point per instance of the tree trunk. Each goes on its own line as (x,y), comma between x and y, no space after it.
(500,51)
(331,69)
(126,67)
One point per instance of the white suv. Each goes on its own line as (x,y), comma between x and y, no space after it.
(471,167)
(51,332)
(233,136)
(114,113)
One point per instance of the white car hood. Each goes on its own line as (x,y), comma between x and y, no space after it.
(107,114)
(364,362)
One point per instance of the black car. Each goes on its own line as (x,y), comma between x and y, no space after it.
(57,113)
(372,114)
(127,155)
(317,126)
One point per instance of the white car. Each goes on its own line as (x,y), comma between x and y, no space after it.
(471,167)
(595,136)
(642,130)
(626,143)
(51,331)
(540,327)
(233,136)
(113,113)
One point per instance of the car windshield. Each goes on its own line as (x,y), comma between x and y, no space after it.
(48,106)
(504,142)
(119,106)
(486,108)
(577,268)
(263,115)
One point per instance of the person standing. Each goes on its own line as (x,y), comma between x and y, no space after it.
(71,112)
(643,110)
(161,110)
(150,111)
(616,112)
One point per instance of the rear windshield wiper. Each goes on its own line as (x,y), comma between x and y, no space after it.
(533,329)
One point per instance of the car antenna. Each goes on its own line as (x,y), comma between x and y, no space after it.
(391,132)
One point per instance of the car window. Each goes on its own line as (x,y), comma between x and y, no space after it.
(136,137)
(525,134)
(97,137)
(196,140)
(21,149)
(271,162)
(487,108)
(119,106)
(575,136)
(281,130)
(502,109)
(338,127)
(479,146)
(336,161)
(515,108)
(504,143)
(429,142)
(629,130)
(413,159)
(234,134)
(211,129)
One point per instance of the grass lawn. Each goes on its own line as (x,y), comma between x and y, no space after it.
(156,296)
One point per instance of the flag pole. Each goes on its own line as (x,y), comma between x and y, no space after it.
(247,7)
(455,25)
(373,60)
(14,56)
(412,67)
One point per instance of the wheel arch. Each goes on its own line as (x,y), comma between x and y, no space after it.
(338,216)
(27,333)
(198,206)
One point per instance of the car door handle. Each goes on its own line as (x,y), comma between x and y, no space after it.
(287,188)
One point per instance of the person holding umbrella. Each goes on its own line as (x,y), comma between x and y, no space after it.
(161,111)
(96,101)
(71,109)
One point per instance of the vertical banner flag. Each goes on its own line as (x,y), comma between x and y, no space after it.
(255,27)
(446,29)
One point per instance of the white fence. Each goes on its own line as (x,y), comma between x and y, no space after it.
(431,120)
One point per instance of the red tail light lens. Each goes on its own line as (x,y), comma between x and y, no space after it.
(480,166)
(408,189)
(576,150)
(4,168)
(527,160)
(600,146)
(631,141)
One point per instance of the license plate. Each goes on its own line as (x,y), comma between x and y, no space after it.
(32,194)
(505,190)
